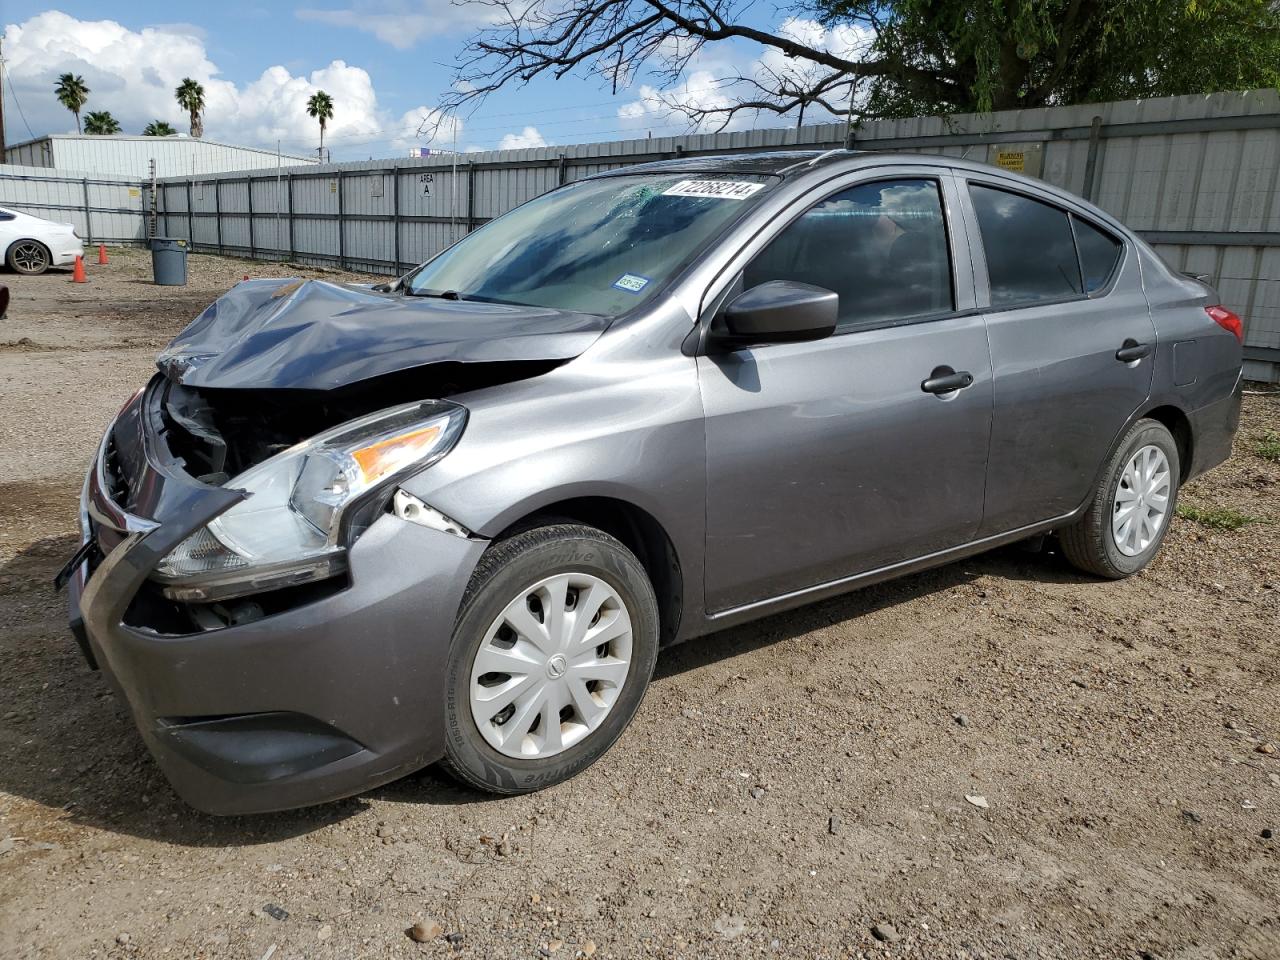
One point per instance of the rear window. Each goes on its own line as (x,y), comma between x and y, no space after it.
(1099,254)
(1031,254)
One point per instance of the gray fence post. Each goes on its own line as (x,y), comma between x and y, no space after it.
(1091,161)
(191,219)
(471,196)
(289,197)
(217,212)
(88,222)
(248,192)
(395,219)
(342,227)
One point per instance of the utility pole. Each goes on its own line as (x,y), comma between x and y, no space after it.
(2,143)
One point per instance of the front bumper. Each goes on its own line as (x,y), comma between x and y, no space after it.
(321,701)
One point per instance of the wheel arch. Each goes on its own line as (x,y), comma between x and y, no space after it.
(642,534)
(1176,421)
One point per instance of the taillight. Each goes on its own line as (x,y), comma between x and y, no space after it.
(1227,320)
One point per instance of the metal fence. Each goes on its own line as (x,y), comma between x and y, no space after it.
(102,209)
(1199,177)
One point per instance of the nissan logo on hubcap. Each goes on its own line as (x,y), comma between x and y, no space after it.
(556,667)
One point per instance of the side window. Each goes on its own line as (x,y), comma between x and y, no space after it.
(1099,254)
(881,246)
(1031,255)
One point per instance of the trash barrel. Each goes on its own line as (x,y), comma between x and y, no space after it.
(169,261)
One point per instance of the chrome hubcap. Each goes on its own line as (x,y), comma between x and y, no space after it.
(551,666)
(1141,506)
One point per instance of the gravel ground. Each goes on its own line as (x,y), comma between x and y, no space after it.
(999,758)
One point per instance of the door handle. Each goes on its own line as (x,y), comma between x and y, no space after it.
(1132,350)
(946,380)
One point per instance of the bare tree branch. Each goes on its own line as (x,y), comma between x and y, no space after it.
(618,39)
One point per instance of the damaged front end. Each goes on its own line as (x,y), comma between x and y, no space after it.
(303,504)
(306,402)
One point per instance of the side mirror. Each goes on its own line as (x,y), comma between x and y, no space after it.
(780,311)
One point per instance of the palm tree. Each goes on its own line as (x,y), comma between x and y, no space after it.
(72,93)
(190,97)
(100,123)
(159,128)
(320,106)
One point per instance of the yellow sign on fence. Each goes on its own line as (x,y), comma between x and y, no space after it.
(1015,160)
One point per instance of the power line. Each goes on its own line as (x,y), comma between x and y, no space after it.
(18,103)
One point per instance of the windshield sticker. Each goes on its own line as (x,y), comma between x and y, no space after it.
(718,189)
(630,282)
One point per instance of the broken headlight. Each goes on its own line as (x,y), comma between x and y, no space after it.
(289,528)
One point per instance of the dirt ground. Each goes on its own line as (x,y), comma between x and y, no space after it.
(997,759)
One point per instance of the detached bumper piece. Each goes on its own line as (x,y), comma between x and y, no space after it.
(256,747)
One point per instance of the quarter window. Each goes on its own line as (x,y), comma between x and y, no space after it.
(1031,255)
(881,246)
(1099,254)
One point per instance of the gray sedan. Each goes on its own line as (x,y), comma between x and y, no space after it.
(346,532)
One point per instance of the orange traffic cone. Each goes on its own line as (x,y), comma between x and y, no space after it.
(78,276)
(102,254)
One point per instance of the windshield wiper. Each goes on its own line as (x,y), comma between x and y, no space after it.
(440,294)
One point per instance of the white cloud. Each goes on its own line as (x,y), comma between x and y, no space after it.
(401,23)
(707,82)
(426,126)
(528,137)
(133,74)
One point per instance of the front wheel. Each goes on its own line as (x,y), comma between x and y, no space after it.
(552,652)
(1129,515)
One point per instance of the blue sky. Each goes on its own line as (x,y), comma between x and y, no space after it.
(385,62)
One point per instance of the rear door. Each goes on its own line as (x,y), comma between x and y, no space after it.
(1072,346)
(829,459)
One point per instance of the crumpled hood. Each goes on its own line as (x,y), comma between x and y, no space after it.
(316,335)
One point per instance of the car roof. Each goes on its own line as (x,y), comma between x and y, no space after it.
(793,163)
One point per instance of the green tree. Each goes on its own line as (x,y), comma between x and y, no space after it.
(320,107)
(100,123)
(190,97)
(159,128)
(886,58)
(72,93)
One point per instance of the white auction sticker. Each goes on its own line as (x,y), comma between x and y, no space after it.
(632,283)
(720,189)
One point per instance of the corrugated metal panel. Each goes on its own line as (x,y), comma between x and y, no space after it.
(100,208)
(132,155)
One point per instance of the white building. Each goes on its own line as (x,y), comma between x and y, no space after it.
(177,156)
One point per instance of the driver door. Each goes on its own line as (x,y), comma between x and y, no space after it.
(828,459)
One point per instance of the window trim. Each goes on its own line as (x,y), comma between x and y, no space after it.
(953,229)
(966,180)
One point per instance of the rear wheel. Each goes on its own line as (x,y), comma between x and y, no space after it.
(1129,515)
(551,656)
(29,257)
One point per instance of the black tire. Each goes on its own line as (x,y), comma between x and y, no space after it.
(508,567)
(1089,543)
(28,257)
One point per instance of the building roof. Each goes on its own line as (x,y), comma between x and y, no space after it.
(176,138)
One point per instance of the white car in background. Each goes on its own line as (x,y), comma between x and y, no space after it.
(32,245)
